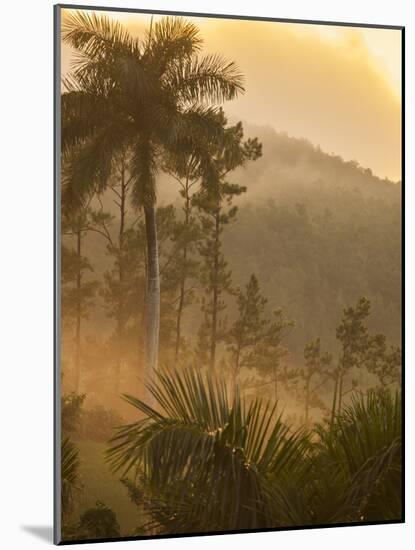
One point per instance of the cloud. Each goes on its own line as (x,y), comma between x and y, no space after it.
(330,91)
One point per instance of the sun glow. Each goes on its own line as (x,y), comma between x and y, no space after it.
(302,77)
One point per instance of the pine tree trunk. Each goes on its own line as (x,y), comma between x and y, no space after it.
(333,408)
(121,312)
(340,392)
(182,283)
(275,383)
(180,312)
(152,295)
(307,400)
(236,372)
(215,296)
(78,312)
(344,364)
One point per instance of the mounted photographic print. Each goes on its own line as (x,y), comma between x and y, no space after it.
(228,283)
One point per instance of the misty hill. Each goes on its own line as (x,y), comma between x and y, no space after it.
(319,232)
(290,165)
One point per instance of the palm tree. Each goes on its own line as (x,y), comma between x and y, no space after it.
(145,95)
(363,453)
(198,462)
(202,463)
(354,472)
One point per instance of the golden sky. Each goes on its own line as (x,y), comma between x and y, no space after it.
(339,87)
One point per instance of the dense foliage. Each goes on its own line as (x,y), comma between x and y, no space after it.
(200,462)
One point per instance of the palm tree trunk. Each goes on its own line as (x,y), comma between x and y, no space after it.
(152,305)
(78,312)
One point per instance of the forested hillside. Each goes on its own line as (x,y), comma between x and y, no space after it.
(334,231)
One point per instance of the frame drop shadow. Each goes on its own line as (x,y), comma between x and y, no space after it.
(43,532)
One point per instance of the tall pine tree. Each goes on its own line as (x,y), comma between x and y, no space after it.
(215,205)
(313,376)
(78,294)
(249,328)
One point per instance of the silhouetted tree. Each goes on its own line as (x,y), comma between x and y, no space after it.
(152,91)
(269,352)
(383,361)
(123,291)
(184,167)
(77,293)
(214,202)
(249,328)
(352,334)
(316,364)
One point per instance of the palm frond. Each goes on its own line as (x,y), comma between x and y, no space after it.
(69,474)
(351,473)
(376,489)
(196,128)
(170,40)
(370,423)
(97,35)
(200,462)
(363,451)
(81,117)
(210,78)
(87,167)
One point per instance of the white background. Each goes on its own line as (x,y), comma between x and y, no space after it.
(26,282)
